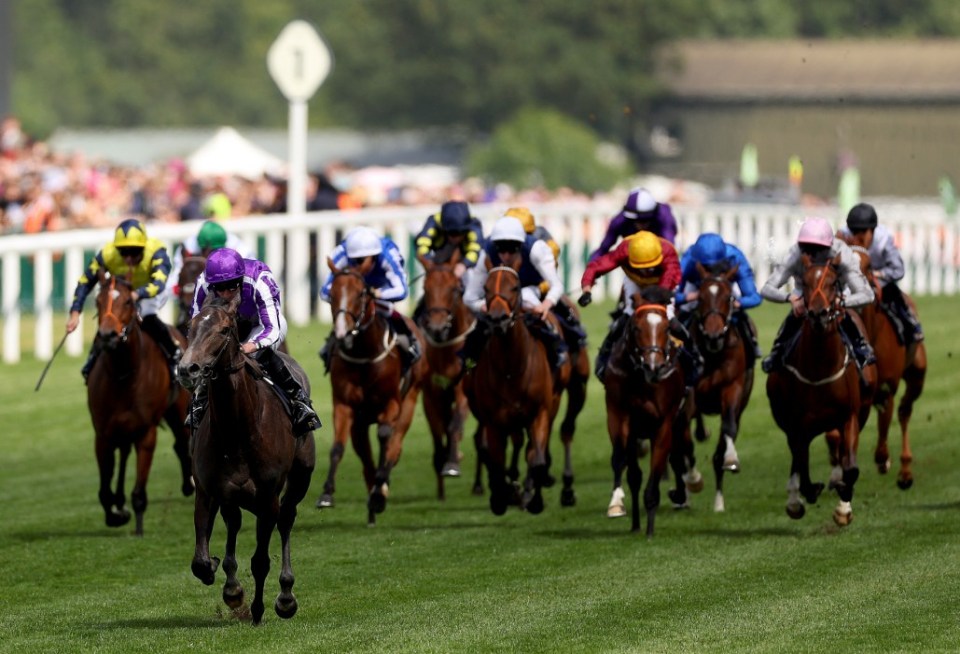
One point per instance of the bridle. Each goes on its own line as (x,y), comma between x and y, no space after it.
(455,291)
(362,322)
(834,308)
(108,314)
(726,317)
(498,297)
(638,353)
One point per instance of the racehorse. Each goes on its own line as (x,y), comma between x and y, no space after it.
(513,391)
(819,390)
(895,362)
(129,391)
(446,322)
(646,399)
(186,289)
(726,383)
(244,456)
(368,387)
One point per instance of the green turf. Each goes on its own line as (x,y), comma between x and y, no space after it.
(444,577)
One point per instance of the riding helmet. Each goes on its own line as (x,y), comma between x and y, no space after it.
(644,250)
(816,231)
(223,265)
(454,216)
(130,234)
(508,228)
(709,249)
(363,242)
(524,216)
(639,204)
(862,216)
(211,236)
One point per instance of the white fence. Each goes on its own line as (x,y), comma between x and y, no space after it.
(928,241)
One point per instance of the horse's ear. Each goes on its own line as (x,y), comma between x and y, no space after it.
(732,272)
(835,262)
(333,268)
(849,239)
(488,262)
(456,257)
(637,299)
(806,259)
(102,276)
(701,270)
(425,262)
(234,303)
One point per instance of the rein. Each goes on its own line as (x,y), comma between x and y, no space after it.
(497,295)
(459,338)
(124,331)
(826,380)
(637,352)
(714,311)
(388,345)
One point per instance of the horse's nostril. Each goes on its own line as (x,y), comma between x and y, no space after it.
(193,368)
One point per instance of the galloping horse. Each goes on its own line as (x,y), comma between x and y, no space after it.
(244,456)
(818,390)
(446,322)
(367,387)
(895,362)
(186,288)
(129,391)
(512,391)
(726,383)
(646,399)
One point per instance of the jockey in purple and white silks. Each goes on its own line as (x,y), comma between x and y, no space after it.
(261,325)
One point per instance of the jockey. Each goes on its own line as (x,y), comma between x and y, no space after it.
(131,254)
(212,236)
(887,268)
(647,261)
(640,213)
(816,239)
(531,227)
(508,245)
(718,257)
(262,328)
(452,228)
(378,260)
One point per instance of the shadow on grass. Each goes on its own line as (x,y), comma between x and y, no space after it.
(171,622)
(45,535)
(940,506)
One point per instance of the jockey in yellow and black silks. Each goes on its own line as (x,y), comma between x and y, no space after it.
(450,229)
(131,255)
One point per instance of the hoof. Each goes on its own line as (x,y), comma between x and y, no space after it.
(533,503)
(233,596)
(678,498)
(450,470)
(843,514)
(719,506)
(498,504)
(286,607)
(325,501)
(616,509)
(118,518)
(815,490)
(796,511)
(568,497)
(693,481)
(205,571)
(643,448)
(377,502)
(187,488)
(477,489)
(548,481)
(904,483)
(731,464)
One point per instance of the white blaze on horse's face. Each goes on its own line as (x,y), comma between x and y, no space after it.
(340,322)
(115,293)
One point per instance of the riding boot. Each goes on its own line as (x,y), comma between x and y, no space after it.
(862,351)
(326,353)
(603,356)
(553,340)
(690,358)
(573,332)
(407,342)
(791,325)
(304,418)
(160,333)
(896,305)
(198,406)
(95,350)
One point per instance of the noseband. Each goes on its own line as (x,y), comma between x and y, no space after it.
(638,352)
(500,298)
(834,309)
(360,321)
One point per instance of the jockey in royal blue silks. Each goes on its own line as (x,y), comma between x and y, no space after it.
(378,260)
(718,257)
(640,213)
(261,324)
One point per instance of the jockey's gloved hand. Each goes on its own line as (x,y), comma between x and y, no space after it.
(585,299)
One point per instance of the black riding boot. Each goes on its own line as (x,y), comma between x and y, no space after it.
(160,333)
(690,358)
(790,327)
(198,406)
(326,353)
(573,332)
(407,342)
(304,418)
(95,350)
(862,351)
(553,340)
(603,356)
(896,305)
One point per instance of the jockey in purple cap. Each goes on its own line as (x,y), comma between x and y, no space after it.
(640,213)
(261,325)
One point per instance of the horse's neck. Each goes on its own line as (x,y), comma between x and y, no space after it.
(371,338)
(230,393)
(126,359)
(512,350)
(820,351)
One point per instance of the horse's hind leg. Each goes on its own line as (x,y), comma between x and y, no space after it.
(913,378)
(138,498)
(881,455)
(576,399)
(175,416)
(232,590)
(116,516)
(260,562)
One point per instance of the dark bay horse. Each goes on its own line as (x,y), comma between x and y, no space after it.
(244,456)
(646,399)
(187,288)
(129,392)
(446,322)
(368,388)
(726,383)
(819,391)
(895,363)
(513,392)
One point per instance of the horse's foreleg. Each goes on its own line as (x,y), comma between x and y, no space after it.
(458,418)
(115,516)
(120,496)
(298,480)
(634,481)
(204,514)
(479,446)
(683,463)
(260,562)
(881,455)
(799,481)
(701,433)
(658,465)
(493,454)
(730,407)
(618,431)
(913,378)
(576,399)
(232,590)
(342,425)
(433,408)
(138,498)
(537,466)
(843,513)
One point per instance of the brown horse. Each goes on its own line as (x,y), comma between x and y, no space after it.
(129,392)
(646,399)
(244,456)
(513,392)
(726,383)
(368,387)
(187,288)
(819,391)
(895,362)
(446,322)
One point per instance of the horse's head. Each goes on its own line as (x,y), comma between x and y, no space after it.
(116,310)
(715,303)
(187,281)
(442,295)
(352,303)
(821,291)
(502,292)
(214,341)
(650,348)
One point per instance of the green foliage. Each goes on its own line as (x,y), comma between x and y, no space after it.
(539,147)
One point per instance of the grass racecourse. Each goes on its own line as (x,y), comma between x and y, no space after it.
(446,577)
